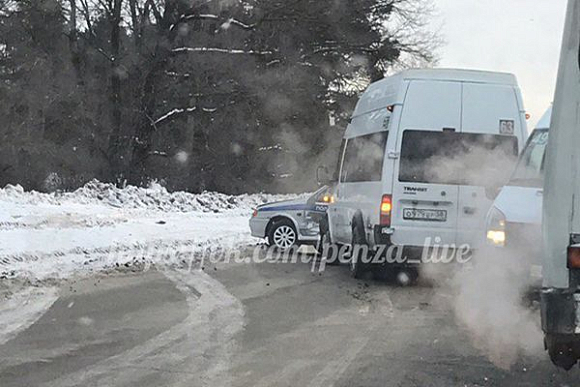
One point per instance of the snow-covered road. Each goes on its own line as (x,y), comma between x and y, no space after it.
(52,243)
(138,229)
(46,239)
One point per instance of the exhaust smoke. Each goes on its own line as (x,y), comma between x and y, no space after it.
(489,291)
(490,304)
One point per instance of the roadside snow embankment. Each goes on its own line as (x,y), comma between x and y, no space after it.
(154,198)
(100,225)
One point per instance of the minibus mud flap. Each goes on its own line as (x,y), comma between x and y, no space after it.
(382,238)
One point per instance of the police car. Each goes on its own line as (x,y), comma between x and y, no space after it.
(291,223)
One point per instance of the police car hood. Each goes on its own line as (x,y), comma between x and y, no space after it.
(285,205)
(520,204)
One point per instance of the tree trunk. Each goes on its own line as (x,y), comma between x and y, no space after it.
(73,36)
(144,127)
(114,151)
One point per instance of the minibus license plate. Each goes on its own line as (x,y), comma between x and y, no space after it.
(426,215)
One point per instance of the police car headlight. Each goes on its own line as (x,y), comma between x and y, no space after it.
(496,232)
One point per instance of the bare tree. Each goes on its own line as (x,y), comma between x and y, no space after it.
(114,8)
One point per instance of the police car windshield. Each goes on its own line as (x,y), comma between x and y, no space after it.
(318,195)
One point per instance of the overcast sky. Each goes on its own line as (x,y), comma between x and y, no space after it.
(517,36)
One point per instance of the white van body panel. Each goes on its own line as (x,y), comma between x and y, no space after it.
(370,116)
(424,100)
(561,214)
(392,90)
(379,95)
(459,75)
(520,202)
(421,95)
(424,107)
(521,205)
(483,105)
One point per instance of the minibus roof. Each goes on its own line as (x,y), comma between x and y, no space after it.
(388,90)
(460,75)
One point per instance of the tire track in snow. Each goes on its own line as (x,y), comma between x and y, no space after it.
(23,309)
(196,351)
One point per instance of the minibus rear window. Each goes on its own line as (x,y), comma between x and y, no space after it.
(457,158)
(363,158)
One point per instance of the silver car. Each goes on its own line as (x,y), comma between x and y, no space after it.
(293,222)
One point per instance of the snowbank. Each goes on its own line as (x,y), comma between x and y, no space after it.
(154,198)
(100,226)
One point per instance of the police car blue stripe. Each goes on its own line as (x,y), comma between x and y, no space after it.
(296,207)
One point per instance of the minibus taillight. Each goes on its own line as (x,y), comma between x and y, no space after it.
(574,257)
(386,210)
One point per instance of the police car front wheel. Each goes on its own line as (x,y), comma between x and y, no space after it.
(283,235)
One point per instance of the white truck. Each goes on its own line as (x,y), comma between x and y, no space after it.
(560,297)
(418,155)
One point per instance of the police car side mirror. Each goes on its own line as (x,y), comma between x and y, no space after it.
(322,175)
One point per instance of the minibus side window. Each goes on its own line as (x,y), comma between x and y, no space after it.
(363,159)
(336,173)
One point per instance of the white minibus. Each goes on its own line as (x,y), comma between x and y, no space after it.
(418,156)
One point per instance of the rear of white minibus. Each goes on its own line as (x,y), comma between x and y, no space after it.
(458,140)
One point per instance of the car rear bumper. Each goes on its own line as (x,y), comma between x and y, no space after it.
(258,227)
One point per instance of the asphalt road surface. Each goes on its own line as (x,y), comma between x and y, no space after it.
(257,325)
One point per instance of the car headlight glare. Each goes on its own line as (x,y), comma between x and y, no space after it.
(496,232)
(497,238)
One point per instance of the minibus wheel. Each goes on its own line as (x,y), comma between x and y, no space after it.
(359,252)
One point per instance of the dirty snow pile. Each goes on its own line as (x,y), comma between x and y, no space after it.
(154,198)
(100,226)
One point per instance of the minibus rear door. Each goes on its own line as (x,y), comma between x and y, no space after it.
(424,194)
(491,136)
